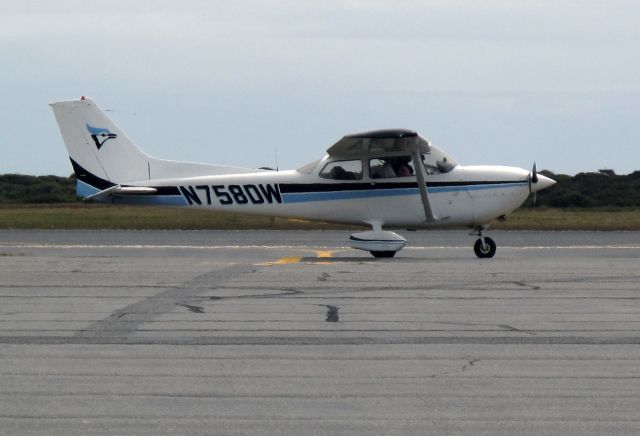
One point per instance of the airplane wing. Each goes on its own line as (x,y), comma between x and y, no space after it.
(379,141)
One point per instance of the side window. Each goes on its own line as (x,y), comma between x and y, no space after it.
(342,170)
(388,167)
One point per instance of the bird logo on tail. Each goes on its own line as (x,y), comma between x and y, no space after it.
(100,135)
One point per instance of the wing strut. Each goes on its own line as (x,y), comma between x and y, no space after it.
(422,186)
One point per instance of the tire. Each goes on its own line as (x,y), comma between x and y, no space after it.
(383,253)
(486,252)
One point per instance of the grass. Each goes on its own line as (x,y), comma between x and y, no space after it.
(572,219)
(94,216)
(97,216)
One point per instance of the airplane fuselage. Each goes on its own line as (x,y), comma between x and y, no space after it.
(465,196)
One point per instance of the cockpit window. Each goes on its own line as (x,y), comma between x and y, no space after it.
(342,170)
(437,162)
(388,167)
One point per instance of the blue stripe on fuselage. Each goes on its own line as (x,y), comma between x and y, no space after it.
(301,197)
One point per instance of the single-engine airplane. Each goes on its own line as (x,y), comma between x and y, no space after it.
(383,178)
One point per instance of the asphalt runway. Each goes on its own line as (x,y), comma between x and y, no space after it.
(272,333)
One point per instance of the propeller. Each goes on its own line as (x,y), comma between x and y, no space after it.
(534,174)
(533,178)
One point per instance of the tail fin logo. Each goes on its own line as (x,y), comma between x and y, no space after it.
(100,135)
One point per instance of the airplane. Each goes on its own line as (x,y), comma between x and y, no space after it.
(384,179)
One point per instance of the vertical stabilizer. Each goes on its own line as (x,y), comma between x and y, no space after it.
(97,145)
(103,156)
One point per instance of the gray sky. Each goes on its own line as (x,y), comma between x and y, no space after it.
(491,82)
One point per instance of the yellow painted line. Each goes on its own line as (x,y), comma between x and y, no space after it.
(287,260)
(321,253)
(282,261)
(324,254)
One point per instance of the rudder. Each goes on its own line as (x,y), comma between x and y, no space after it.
(103,156)
(97,145)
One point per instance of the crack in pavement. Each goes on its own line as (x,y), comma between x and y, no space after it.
(469,364)
(332,313)
(284,292)
(513,329)
(323,277)
(192,308)
(125,321)
(526,285)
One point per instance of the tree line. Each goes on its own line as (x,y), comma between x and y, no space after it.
(584,190)
(604,188)
(21,189)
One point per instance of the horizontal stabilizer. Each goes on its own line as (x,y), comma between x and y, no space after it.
(121,191)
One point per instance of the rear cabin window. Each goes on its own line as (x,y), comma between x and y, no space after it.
(389,167)
(342,170)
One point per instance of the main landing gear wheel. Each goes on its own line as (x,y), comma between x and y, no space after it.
(384,253)
(485,250)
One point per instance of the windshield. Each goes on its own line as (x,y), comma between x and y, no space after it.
(436,161)
(308,168)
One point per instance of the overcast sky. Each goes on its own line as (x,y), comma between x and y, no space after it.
(491,82)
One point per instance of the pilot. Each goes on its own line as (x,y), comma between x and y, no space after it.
(402,168)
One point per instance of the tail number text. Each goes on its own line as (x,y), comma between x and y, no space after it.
(232,194)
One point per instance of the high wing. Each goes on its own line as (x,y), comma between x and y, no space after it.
(379,141)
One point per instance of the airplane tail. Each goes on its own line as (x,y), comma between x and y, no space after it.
(103,156)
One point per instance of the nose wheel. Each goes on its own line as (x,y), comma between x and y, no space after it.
(485,247)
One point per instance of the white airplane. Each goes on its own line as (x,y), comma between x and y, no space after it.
(382,178)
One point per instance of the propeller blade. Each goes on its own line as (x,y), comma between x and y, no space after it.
(533,178)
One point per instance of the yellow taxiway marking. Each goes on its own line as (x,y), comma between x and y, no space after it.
(324,254)
(320,254)
(287,260)
(327,253)
(282,261)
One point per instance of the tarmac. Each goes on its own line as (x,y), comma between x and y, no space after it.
(291,332)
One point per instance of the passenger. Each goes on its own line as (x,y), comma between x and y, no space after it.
(401,166)
(339,173)
(388,171)
(383,171)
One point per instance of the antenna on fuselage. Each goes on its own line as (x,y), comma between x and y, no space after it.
(275,148)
